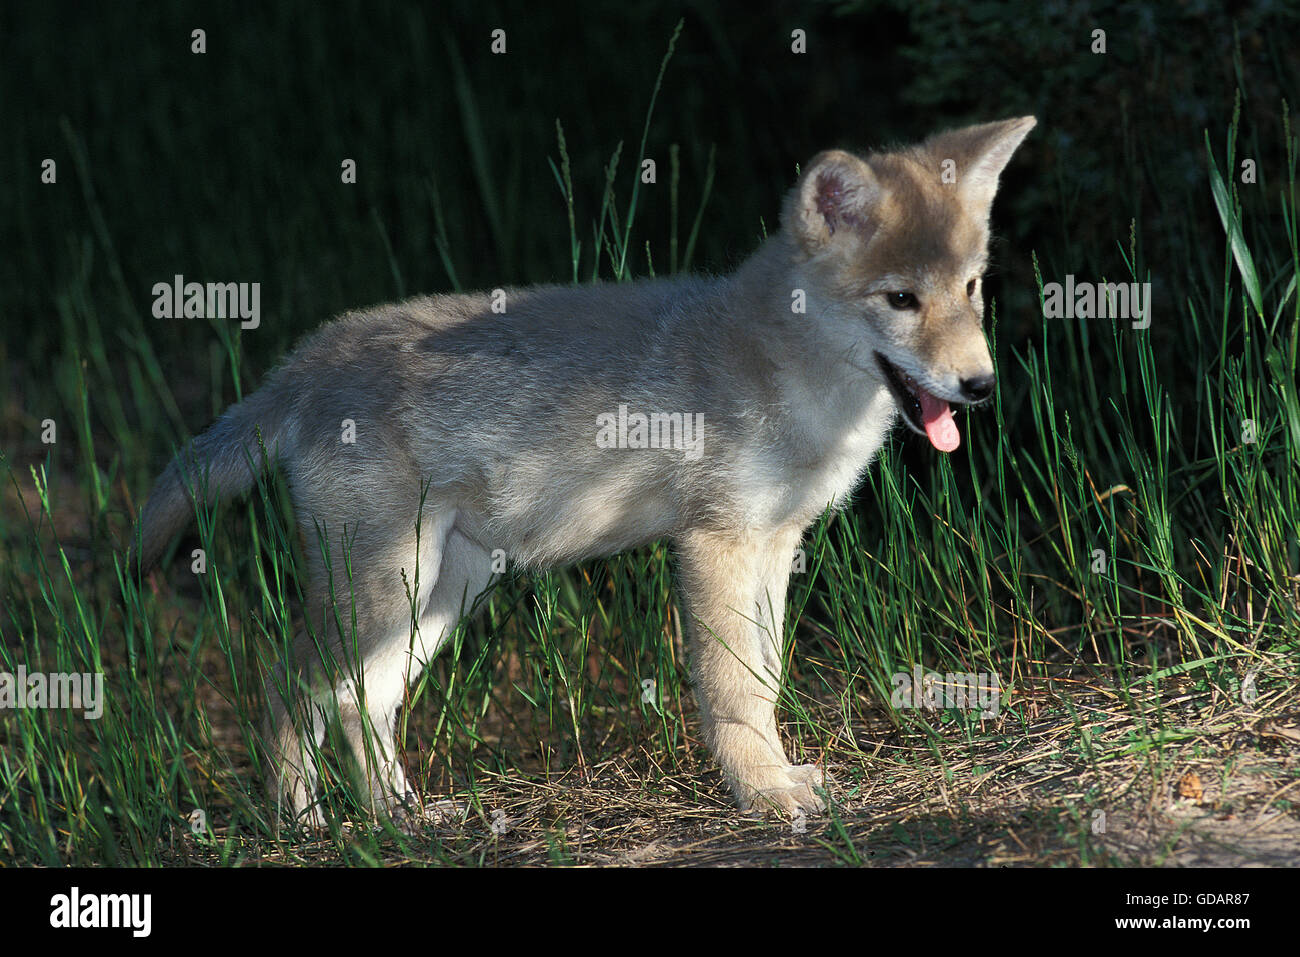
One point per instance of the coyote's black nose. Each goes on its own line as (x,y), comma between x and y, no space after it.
(978,389)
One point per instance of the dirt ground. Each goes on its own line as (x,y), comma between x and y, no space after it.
(1213,782)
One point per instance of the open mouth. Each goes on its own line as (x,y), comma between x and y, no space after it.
(927,414)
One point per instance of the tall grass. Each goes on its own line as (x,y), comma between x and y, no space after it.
(1097,449)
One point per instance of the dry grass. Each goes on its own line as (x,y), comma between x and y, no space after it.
(1070,774)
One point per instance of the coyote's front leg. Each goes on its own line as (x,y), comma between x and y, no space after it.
(734,585)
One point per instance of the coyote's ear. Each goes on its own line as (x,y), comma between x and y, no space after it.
(979,153)
(834,199)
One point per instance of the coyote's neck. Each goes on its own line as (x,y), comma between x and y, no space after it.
(835,413)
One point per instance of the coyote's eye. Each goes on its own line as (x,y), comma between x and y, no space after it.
(902,300)
(970,288)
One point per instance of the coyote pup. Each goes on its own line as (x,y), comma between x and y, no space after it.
(495,428)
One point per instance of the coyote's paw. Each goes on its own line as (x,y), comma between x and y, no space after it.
(310,820)
(413,816)
(789,792)
(812,774)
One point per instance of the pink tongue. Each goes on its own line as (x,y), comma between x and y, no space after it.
(939,425)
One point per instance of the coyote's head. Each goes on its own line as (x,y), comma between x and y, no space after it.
(892,247)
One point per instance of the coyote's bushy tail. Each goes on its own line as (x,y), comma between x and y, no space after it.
(222,462)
